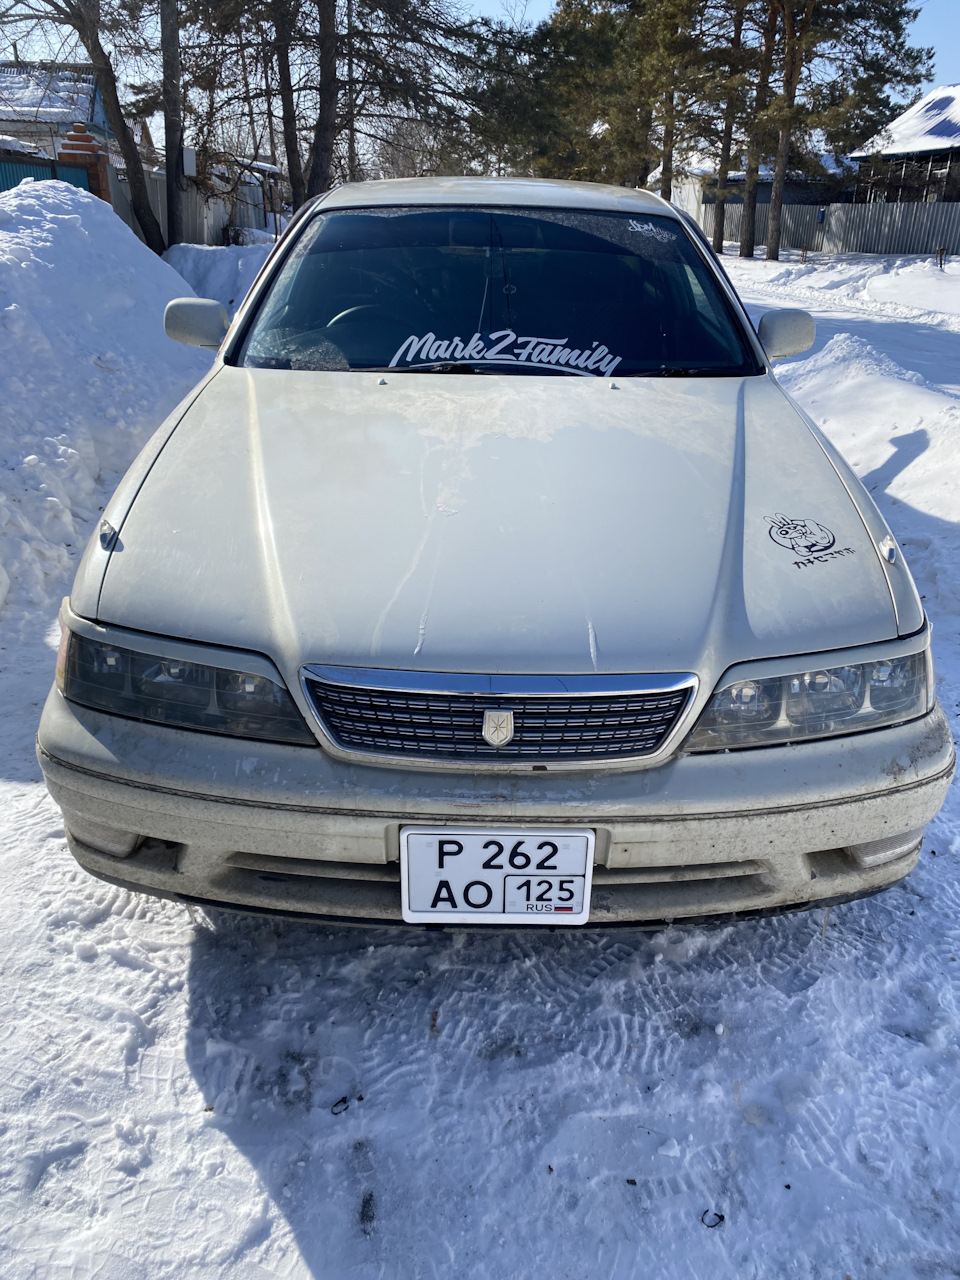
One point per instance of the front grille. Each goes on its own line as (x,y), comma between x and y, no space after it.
(450,725)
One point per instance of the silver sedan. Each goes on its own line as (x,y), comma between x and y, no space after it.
(491,577)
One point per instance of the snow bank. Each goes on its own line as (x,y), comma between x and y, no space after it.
(225,274)
(901,285)
(86,372)
(919,284)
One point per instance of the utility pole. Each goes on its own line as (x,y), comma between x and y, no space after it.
(172,118)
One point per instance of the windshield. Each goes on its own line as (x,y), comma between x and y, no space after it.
(521,291)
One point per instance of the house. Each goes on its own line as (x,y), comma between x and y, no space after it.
(696,188)
(40,102)
(917,157)
(53,124)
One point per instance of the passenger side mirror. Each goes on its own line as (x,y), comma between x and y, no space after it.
(198,322)
(786,333)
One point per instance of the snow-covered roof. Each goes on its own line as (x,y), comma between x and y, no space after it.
(696,165)
(261,166)
(56,94)
(928,126)
(14,144)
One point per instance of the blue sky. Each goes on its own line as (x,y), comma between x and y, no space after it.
(938,26)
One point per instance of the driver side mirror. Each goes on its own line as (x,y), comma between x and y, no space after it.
(786,333)
(197,322)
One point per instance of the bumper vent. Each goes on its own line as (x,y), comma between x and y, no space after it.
(448,725)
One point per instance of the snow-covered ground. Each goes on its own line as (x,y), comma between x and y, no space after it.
(253,1099)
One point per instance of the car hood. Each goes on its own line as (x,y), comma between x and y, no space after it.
(497,524)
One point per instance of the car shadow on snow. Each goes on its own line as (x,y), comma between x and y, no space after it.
(906,449)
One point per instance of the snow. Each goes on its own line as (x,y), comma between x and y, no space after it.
(184,1094)
(911,284)
(32,93)
(929,126)
(7,143)
(224,274)
(86,373)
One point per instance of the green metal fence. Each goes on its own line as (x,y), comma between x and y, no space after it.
(12,172)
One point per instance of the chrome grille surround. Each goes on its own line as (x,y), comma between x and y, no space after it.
(437,717)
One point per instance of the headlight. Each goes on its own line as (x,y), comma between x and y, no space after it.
(818,703)
(188,695)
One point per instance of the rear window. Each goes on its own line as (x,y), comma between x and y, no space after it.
(519,291)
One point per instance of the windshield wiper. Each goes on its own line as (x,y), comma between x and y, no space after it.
(445,366)
(687,371)
(464,366)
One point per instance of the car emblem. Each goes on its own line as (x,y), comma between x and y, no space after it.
(498,727)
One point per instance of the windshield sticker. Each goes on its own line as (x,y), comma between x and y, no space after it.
(813,542)
(504,347)
(648,229)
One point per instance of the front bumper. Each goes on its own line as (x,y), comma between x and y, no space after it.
(261,826)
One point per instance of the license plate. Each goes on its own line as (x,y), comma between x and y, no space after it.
(460,875)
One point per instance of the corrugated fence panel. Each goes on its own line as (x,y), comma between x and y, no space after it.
(204,217)
(13,172)
(799,227)
(733,221)
(892,228)
(249,208)
(853,228)
(76,175)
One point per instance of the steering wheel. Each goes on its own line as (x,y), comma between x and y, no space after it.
(351,313)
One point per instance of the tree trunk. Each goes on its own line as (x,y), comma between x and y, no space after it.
(726,143)
(325,129)
(88,31)
(353,167)
(723,173)
(776,194)
(268,95)
(748,226)
(748,222)
(283,26)
(172,118)
(794,52)
(248,102)
(666,162)
(644,125)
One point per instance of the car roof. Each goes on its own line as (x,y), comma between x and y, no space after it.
(523,192)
